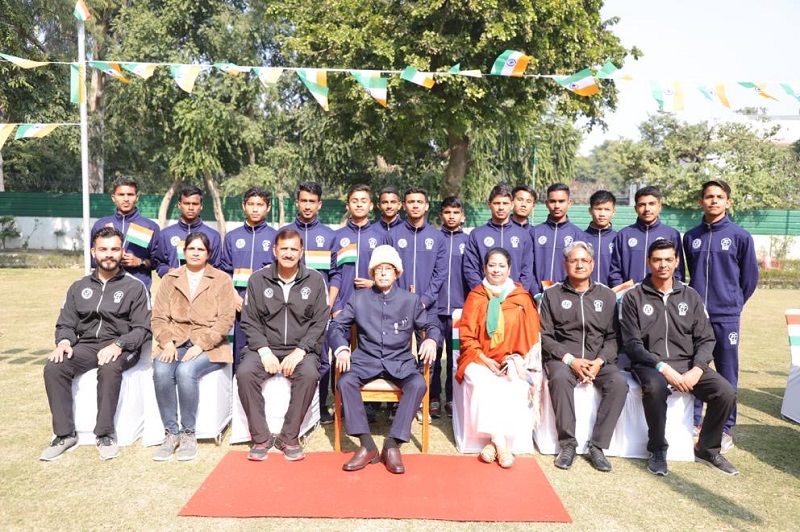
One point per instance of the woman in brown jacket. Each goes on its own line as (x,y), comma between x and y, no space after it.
(192,314)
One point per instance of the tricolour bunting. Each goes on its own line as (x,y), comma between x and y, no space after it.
(715,93)
(607,71)
(375,85)
(230,68)
(581,83)
(268,75)
(5,131)
(23,63)
(669,97)
(316,81)
(791,91)
(81,11)
(510,63)
(456,69)
(415,76)
(112,69)
(185,75)
(77,83)
(34,131)
(759,88)
(143,70)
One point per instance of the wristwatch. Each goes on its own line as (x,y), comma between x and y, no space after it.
(119,343)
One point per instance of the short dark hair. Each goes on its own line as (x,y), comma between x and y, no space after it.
(107,232)
(716,183)
(500,189)
(415,190)
(285,234)
(312,187)
(648,191)
(389,190)
(525,188)
(190,190)
(452,201)
(360,187)
(557,187)
(257,192)
(497,251)
(661,243)
(124,181)
(602,196)
(202,237)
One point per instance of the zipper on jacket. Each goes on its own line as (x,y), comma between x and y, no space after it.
(666,324)
(99,325)
(708,263)
(583,328)
(597,253)
(553,256)
(252,251)
(646,247)
(449,271)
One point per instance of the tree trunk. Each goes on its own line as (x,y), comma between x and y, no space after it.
(95,107)
(163,209)
(457,163)
(218,214)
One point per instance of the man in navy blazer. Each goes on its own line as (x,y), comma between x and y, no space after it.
(386,317)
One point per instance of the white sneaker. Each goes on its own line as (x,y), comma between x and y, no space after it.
(107,445)
(59,446)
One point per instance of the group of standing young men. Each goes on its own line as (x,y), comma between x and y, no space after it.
(442,265)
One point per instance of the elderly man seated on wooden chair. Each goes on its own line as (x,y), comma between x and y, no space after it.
(386,317)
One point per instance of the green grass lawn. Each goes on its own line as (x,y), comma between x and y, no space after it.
(132,492)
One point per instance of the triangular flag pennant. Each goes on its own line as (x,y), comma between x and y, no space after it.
(791,91)
(143,70)
(268,75)
(607,70)
(415,76)
(581,83)
(77,83)
(670,98)
(510,63)
(30,131)
(715,93)
(81,12)
(185,75)
(230,68)
(112,69)
(760,88)
(469,73)
(24,63)
(316,81)
(5,132)
(375,85)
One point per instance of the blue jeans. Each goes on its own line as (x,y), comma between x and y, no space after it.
(178,383)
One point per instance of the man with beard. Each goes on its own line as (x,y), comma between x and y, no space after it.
(104,321)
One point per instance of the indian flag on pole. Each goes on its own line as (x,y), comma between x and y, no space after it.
(81,12)
(510,63)
(415,76)
(34,131)
(581,83)
(316,81)
(318,260)
(112,69)
(141,236)
(143,70)
(5,132)
(23,63)
(241,276)
(347,255)
(375,85)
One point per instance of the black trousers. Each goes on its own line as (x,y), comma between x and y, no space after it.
(58,385)
(251,376)
(712,389)
(613,387)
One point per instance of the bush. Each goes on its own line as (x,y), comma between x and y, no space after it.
(787,277)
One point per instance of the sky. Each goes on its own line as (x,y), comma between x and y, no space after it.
(703,40)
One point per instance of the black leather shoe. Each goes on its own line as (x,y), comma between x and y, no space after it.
(361,459)
(565,457)
(598,459)
(393,461)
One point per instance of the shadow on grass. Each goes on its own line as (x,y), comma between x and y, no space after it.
(775,445)
(766,400)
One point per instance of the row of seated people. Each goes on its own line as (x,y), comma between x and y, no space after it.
(285,315)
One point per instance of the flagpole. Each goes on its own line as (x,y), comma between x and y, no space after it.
(84,146)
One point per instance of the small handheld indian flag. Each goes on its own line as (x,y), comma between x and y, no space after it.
(415,76)
(34,131)
(347,255)
(581,83)
(241,276)
(179,247)
(620,290)
(81,11)
(141,236)
(318,260)
(510,63)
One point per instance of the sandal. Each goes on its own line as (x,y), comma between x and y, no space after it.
(505,458)
(488,453)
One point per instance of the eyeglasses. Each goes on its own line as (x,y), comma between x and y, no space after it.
(573,262)
(385,269)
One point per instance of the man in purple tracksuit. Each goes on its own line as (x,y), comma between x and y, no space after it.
(451,297)
(723,268)
(600,234)
(552,236)
(629,257)
(247,249)
(141,234)
(389,204)
(320,245)
(170,244)
(500,231)
(524,203)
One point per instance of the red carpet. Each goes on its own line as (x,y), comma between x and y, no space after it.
(444,487)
